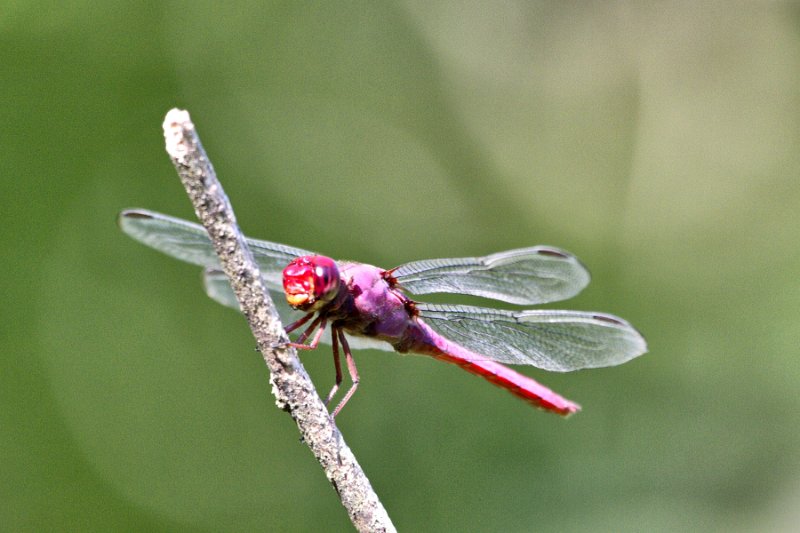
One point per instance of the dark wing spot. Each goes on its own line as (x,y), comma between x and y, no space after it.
(610,319)
(135,214)
(552,253)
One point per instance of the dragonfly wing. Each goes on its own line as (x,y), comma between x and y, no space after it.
(189,242)
(559,341)
(526,276)
(218,289)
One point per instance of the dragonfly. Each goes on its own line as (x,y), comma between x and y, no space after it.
(349,305)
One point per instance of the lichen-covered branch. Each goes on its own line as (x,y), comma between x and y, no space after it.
(291,385)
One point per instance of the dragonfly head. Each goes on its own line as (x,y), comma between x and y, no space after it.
(310,282)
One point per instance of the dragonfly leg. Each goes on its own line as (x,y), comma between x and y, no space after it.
(351,367)
(290,328)
(337,363)
(300,343)
(294,325)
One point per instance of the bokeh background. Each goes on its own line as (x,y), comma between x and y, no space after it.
(656,141)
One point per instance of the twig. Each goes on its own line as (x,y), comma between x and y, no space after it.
(290,383)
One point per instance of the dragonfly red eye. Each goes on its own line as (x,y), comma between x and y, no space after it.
(310,279)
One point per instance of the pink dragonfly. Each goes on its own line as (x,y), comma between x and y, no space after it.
(370,305)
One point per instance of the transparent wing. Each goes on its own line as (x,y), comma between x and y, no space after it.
(215,283)
(552,340)
(218,289)
(189,242)
(525,276)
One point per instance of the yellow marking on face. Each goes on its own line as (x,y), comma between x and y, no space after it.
(297,299)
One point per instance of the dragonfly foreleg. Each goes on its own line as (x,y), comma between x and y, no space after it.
(290,328)
(300,343)
(294,325)
(351,367)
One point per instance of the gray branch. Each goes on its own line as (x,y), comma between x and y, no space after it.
(290,383)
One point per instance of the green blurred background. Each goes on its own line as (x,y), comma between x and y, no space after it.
(658,142)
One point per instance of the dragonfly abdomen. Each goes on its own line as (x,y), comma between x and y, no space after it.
(426,341)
